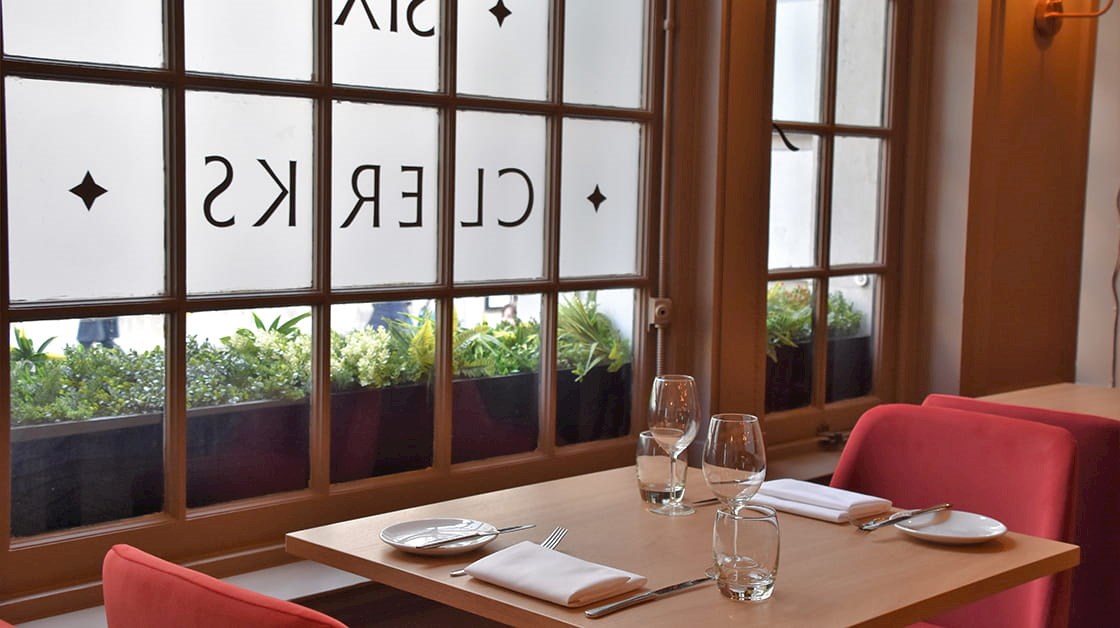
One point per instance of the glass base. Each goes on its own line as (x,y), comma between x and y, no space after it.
(672,509)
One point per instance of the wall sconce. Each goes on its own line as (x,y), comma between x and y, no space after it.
(1048,16)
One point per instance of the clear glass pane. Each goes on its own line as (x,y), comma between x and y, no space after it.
(249,192)
(248,387)
(87,404)
(386,43)
(270,38)
(851,323)
(861,62)
(599,198)
(856,194)
(789,331)
(117,32)
(384,195)
(798,56)
(593,341)
(793,201)
(496,364)
(382,356)
(503,48)
(499,196)
(604,47)
(85,177)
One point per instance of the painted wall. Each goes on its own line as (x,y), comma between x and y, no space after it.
(1095,339)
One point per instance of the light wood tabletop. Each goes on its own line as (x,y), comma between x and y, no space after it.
(829,574)
(1081,398)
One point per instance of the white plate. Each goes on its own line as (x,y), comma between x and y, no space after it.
(953,527)
(408,535)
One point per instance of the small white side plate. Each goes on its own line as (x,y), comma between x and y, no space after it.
(408,535)
(953,527)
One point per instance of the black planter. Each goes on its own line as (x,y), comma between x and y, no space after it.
(789,380)
(596,408)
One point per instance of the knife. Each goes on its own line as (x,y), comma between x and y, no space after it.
(600,611)
(475,535)
(901,516)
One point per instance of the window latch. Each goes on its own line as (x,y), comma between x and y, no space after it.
(660,312)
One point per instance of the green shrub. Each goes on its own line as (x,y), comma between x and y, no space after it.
(789,316)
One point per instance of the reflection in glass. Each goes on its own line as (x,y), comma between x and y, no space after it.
(87,399)
(851,307)
(861,62)
(593,340)
(798,54)
(248,386)
(789,351)
(793,201)
(599,198)
(856,190)
(249,37)
(499,196)
(116,32)
(249,192)
(384,194)
(503,49)
(603,52)
(85,190)
(382,355)
(395,45)
(496,364)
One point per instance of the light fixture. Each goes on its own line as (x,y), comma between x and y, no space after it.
(1048,16)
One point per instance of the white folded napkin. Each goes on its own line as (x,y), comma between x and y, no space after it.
(819,501)
(554,576)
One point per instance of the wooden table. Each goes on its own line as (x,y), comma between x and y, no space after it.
(1082,398)
(829,574)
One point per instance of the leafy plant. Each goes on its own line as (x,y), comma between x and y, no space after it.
(789,316)
(586,337)
(26,352)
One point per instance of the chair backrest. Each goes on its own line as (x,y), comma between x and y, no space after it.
(1098,501)
(1019,472)
(141,590)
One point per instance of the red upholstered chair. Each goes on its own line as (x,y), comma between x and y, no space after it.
(1019,472)
(1098,501)
(141,591)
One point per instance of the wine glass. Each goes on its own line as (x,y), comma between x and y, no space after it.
(674,418)
(734,460)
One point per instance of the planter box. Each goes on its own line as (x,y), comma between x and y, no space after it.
(789,380)
(85,472)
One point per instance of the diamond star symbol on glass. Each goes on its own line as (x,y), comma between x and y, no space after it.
(88,190)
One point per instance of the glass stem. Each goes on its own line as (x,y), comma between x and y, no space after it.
(674,495)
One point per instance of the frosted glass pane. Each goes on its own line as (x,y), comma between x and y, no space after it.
(118,32)
(793,201)
(384,195)
(249,192)
(856,190)
(797,60)
(499,196)
(599,198)
(386,43)
(86,202)
(503,48)
(861,61)
(270,38)
(604,44)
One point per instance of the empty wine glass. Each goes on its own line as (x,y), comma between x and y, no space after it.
(674,417)
(734,457)
(734,460)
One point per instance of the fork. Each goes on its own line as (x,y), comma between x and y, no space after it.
(551,541)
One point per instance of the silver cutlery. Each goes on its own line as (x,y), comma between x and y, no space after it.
(705,502)
(600,611)
(899,517)
(474,535)
(551,541)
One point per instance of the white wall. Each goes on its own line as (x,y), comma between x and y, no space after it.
(1096,341)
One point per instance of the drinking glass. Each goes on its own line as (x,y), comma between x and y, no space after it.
(674,417)
(654,483)
(734,457)
(745,541)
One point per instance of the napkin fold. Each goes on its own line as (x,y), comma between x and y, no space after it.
(819,501)
(553,576)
